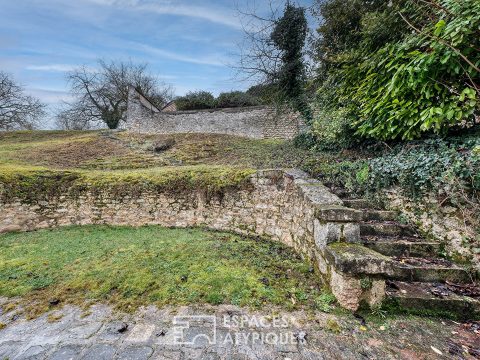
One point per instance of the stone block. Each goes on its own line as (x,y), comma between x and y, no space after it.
(326,233)
(349,291)
(338,214)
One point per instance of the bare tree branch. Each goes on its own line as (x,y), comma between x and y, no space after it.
(18,110)
(102,94)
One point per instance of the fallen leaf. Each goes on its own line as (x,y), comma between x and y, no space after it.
(436,350)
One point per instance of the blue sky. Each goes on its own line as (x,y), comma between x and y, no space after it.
(187,43)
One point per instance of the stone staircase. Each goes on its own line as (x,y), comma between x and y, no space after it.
(416,276)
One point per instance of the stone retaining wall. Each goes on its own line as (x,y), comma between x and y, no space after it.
(258,122)
(284,205)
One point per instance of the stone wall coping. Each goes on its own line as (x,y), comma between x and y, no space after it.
(226,110)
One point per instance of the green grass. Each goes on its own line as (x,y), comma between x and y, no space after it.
(130,267)
(34,164)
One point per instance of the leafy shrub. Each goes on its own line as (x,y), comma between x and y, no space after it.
(265,94)
(198,100)
(451,167)
(305,140)
(341,174)
(419,79)
(332,129)
(236,99)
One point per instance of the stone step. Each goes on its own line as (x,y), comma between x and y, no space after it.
(359,260)
(430,270)
(379,215)
(386,229)
(404,246)
(358,204)
(444,299)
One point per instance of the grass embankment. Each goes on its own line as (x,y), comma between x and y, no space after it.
(34,164)
(129,267)
(106,151)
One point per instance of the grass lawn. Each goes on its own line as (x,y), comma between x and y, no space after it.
(130,267)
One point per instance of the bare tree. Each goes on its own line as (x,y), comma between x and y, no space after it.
(273,53)
(259,61)
(101,95)
(71,117)
(17,110)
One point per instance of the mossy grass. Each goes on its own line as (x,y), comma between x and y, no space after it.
(131,267)
(32,184)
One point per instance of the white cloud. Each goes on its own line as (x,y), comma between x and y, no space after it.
(214,15)
(213,60)
(51,67)
(50,96)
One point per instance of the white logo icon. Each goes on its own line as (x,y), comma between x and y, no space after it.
(189,330)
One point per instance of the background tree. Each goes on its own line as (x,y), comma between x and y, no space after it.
(18,110)
(289,35)
(236,99)
(72,118)
(196,100)
(101,95)
(272,54)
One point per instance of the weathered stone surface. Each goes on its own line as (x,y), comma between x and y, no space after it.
(395,247)
(386,229)
(379,215)
(420,296)
(338,214)
(135,353)
(346,289)
(359,204)
(100,352)
(350,293)
(317,340)
(66,352)
(356,259)
(326,233)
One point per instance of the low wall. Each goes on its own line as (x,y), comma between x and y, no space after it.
(286,206)
(258,122)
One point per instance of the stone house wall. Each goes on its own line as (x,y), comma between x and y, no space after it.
(257,122)
(286,206)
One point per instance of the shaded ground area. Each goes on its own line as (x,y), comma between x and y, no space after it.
(226,332)
(130,267)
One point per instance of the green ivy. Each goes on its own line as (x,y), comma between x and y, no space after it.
(422,84)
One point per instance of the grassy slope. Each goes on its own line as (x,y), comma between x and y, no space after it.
(104,158)
(132,267)
(124,151)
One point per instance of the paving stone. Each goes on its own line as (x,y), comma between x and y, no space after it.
(9,349)
(85,330)
(36,352)
(100,352)
(167,355)
(68,352)
(141,333)
(135,353)
(51,342)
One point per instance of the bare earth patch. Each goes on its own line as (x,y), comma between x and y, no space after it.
(74,153)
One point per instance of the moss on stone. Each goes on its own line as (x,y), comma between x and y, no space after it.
(36,184)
